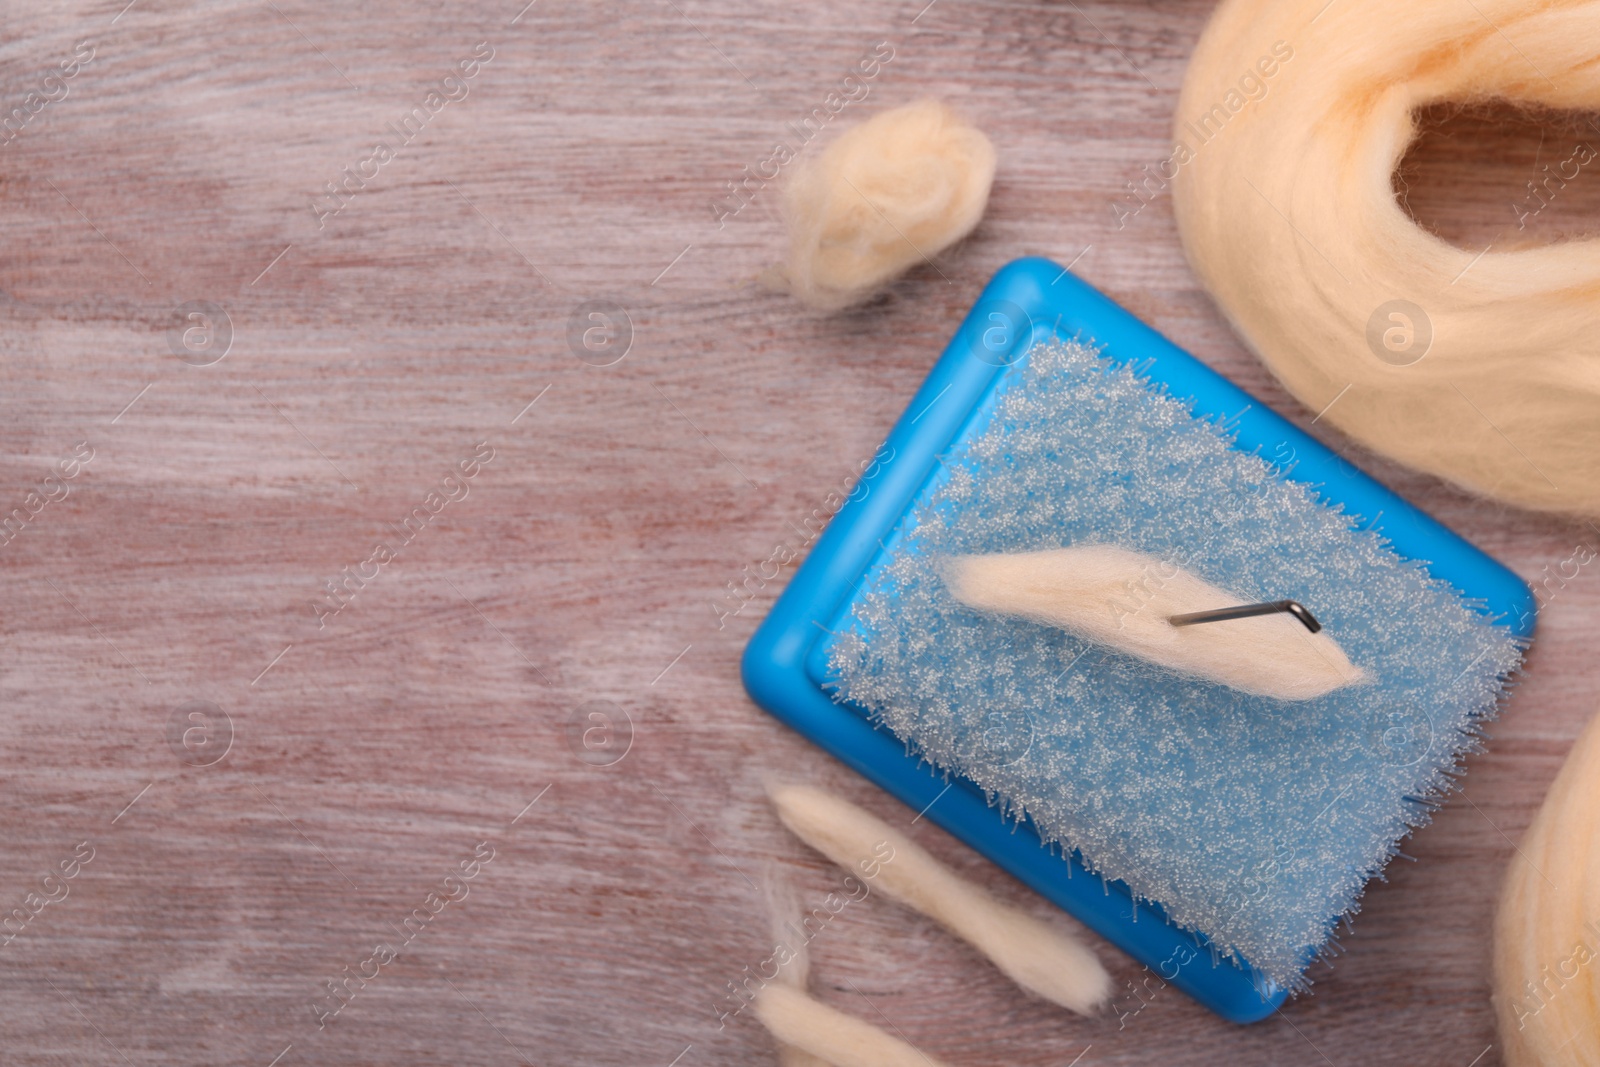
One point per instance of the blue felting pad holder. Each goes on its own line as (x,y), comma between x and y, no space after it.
(1162,782)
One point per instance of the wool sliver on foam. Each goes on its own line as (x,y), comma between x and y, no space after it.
(1122,600)
(1252,820)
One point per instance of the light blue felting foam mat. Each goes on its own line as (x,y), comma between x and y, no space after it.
(1168,813)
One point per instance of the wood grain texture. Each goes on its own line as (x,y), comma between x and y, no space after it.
(369,356)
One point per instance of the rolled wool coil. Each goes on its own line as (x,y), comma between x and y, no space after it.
(1481,366)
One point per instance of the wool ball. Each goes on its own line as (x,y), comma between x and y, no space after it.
(890,193)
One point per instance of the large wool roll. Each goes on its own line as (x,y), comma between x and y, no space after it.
(1547,930)
(1480,366)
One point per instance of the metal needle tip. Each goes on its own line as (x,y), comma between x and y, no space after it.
(1245,611)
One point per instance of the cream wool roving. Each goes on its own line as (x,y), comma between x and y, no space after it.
(889,193)
(804,1027)
(795,972)
(827,1034)
(1120,598)
(1039,957)
(1481,366)
(1547,930)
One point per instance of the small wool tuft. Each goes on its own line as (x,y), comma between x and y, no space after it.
(1122,599)
(888,194)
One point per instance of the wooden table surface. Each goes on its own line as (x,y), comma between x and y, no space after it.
(365,754)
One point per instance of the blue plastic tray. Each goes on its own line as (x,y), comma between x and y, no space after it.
(785,664)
